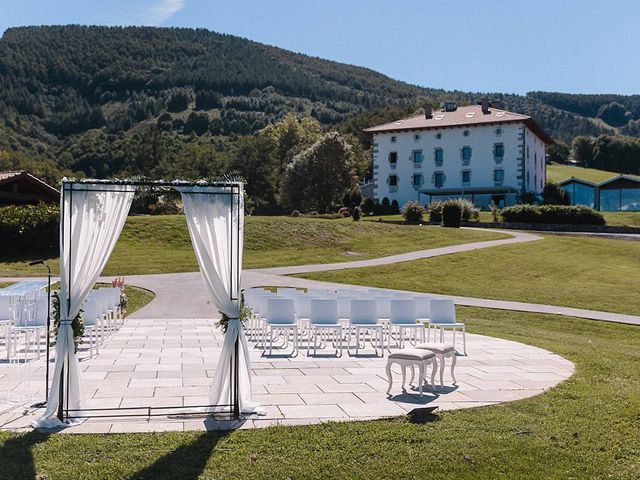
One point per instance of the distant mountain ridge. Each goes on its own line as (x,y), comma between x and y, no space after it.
(60,83)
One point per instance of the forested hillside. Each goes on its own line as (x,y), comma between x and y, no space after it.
(104,101)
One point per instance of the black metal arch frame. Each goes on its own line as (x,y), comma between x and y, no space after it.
(231,189)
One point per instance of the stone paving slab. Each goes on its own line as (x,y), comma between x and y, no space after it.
(140,367)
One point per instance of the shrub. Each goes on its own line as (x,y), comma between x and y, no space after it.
(562,214)
(344,211)
(29,229)
(355,213)
(451,214)
(495,212)
(435,211)
(412,212)
(295,213)
(355,196)
(469,212)
(529,198)
(367,206)
(385,206)
(553,194)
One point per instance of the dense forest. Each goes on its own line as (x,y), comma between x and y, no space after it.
(103,101)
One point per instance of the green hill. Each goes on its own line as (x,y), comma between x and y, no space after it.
(77,98)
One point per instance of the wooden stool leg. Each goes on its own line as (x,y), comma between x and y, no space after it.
(389,377)
(453,366)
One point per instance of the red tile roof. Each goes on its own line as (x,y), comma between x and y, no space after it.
(471,115)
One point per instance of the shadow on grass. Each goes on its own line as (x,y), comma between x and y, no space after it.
(186,462)
(16,455)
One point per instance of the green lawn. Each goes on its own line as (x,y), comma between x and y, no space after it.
(161,244)
(586,428)
(588,273)
(557,172)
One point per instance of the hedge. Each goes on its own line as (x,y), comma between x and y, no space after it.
(29,230)
(561,214)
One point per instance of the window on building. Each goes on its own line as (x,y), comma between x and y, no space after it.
(466,154)
(498,132)
(417,157)
(439,156)
(416,138)
(466,133)
(438,179)
(498,176)
(466,176)
(417,180)
(393,180)
(498,151)
(393,158)
(393,139)
(438,136)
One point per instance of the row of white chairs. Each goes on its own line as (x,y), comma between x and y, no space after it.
(371,315)
(24,321)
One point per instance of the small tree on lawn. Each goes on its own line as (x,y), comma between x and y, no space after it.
(553,194)
(318,177)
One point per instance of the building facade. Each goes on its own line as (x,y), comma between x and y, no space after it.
(475,152)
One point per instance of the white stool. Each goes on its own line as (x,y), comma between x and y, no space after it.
(442,351)
(411,357)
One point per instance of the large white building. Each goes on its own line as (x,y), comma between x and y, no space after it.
(476,152)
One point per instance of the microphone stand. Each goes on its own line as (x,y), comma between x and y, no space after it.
(46,386)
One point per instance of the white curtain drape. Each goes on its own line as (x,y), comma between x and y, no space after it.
(92,217)
(215,217)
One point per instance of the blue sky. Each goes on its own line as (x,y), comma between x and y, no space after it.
(588,46)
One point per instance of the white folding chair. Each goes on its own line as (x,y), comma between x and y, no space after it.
(364,318)
(423,310)
(402,318)
(443,316)
(281,317)
(324,319)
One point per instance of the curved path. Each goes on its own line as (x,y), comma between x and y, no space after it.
(173,289)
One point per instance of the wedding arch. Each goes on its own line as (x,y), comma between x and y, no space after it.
(92,214)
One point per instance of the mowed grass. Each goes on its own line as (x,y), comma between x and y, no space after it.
(161,244)
(589,273)
(557,173)
(588,427)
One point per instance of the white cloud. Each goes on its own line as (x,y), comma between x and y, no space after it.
(163,10)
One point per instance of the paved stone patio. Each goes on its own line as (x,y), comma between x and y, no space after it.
(170,362)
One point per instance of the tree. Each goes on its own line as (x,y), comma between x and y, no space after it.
(582,149)
(355,196)
(553,194)
(317,178)
(558,152)
(614,114)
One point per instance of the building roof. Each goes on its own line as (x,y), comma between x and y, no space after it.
(470,115)
(10,174)
(37,186)
(576,180)
(629,179)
